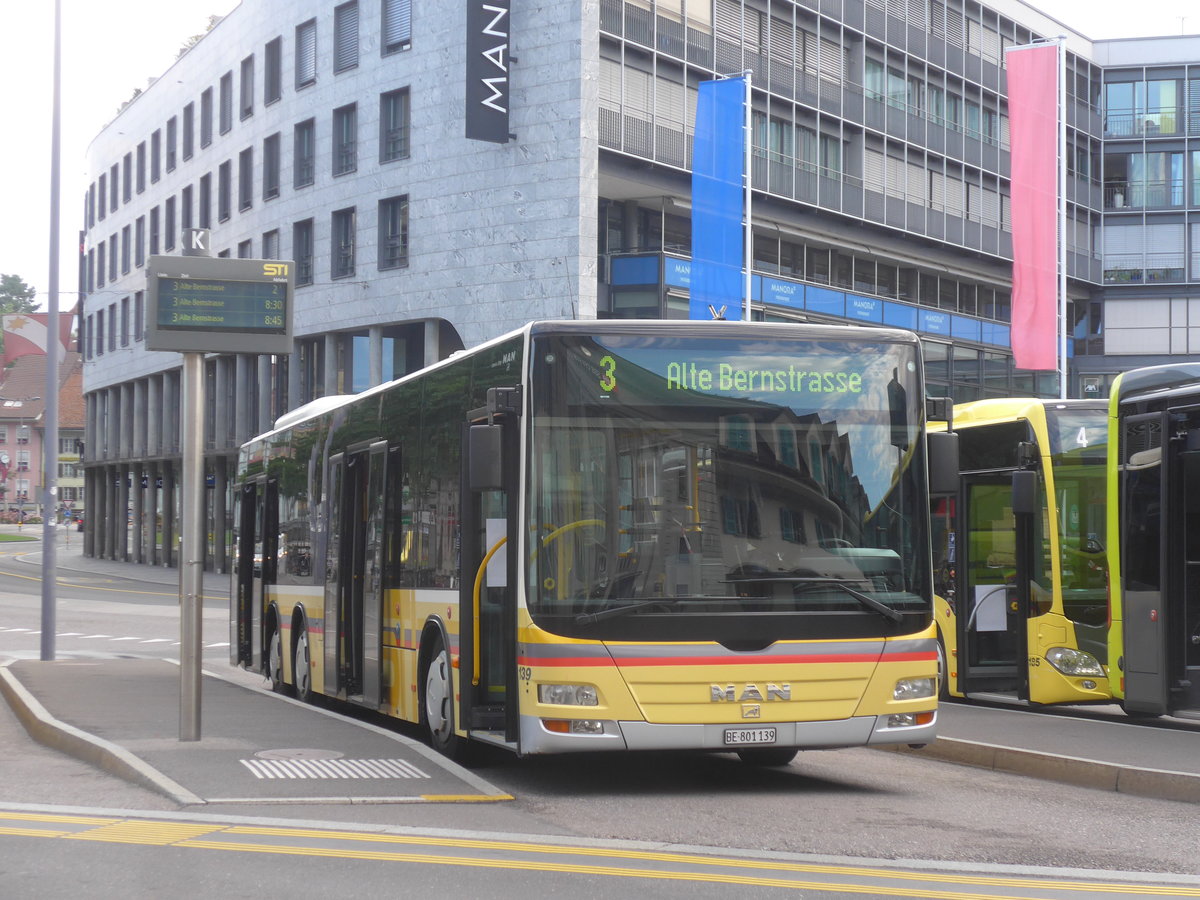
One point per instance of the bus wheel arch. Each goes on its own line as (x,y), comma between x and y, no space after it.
(943,668)
(301,658)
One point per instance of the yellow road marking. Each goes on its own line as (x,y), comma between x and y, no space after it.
(207,836)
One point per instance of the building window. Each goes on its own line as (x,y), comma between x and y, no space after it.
(246,88)
(270,244)
(224,190)
(89,337)
(270,167)
(126,178)
(304,153)
(101,269)
(302,251)
(306,53)
(114,191)
(189,129)
(91,205)
(155,155)
(185,208)
(272,71)
(226,100)
(124,321)
(141,167)
(112,327)
(393,125)
(245,249)
(113,244)
(206,117)
(139,242)
(345,139)
(126,247)
(205,214)
(172,142)
(103,205)
(345,36)
(169,224)
(154,231)
(397,25)
(393,232)
(342,243)
(139,315)
(99,332)
(246,179)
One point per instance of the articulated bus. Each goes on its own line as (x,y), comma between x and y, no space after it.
(1020,565)
(608,535)
(1154,518)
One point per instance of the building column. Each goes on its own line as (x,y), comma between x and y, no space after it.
(153,421)
(90,493)
(433,341)
(138,496)
(331,363)
(375,350)
(243,393)
(266,405)
(138,444)
(124,476)
(111,523)
(168,513)
(224,424)
(295,386)
(629,226)
(150,514)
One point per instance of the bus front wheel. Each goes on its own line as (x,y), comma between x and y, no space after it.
(439,702)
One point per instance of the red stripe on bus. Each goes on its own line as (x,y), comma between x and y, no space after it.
(583,661)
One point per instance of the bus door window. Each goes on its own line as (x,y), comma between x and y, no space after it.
(991,570)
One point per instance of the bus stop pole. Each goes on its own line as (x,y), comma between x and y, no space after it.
(191,569)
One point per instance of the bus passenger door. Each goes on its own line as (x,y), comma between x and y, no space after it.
(258,546)
(991,633)
(354,574)
(1189,556)
(1144,563)
(489,577)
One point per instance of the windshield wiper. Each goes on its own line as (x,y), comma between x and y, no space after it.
(866,600)
(616,612)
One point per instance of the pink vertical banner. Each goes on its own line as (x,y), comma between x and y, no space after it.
(1033,127)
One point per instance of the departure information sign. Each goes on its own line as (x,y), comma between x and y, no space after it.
(217,304)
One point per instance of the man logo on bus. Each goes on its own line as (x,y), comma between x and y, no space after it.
(275,268)
(729,694)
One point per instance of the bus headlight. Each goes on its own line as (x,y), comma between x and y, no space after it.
(1073,662)
(913,688)
(568,694)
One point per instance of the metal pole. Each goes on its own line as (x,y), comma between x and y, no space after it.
(191,569)
(50,432)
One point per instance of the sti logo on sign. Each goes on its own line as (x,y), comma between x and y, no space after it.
(487,70)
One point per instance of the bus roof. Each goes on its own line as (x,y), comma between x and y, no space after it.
(1008,409)
(1151,379)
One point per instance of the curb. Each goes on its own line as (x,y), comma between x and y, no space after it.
(1156,784)
(58,735)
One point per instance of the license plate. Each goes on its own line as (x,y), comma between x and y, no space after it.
(749,736)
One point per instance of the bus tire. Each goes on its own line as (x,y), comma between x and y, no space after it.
(275,661)
(302,666)
(437,701)
(767,756)
(943,677)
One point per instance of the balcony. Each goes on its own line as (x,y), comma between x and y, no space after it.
(1143,194)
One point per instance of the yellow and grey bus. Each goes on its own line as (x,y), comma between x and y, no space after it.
(1154,520)
(608,535)
(1020,564)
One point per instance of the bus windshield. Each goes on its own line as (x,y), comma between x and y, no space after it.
(1078,453)
(711,478)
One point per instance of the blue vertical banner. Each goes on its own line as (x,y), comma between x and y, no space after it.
(718,167)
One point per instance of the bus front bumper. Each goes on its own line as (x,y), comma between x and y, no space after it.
(857,731)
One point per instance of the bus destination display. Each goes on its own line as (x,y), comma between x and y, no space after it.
(185,303)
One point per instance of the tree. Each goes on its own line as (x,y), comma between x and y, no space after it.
(16,296)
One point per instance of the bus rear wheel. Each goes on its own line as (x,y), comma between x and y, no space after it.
(768,756)
(302,667)
(275,662)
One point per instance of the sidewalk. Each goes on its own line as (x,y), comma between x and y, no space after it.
(256,748)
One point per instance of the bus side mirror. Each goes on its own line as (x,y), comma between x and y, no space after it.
(485,471)
(1024,492)
(943,462)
